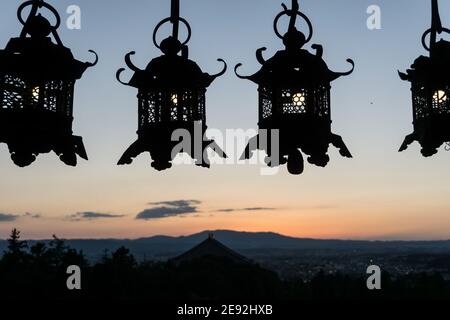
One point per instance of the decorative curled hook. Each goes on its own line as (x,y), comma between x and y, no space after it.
(118,73)
(92,64)
(319,50)
(259,55)
(351,70)
(35,5)
(166,20)
(130,63)
(221,73)
(291,13)
(237,74)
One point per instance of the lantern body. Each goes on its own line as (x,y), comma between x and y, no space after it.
(294,98)
(37,79)
(171,98)
(430,88)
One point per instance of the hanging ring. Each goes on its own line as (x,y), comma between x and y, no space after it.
(40,5)
(425,35)
(289,13)
(170,20)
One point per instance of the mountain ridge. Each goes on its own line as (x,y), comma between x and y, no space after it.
(248,243)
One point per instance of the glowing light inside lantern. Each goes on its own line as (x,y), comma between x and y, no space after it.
(440,96)
(299,99)
(35,93)
(174,99)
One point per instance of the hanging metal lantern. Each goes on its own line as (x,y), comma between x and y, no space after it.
(37,79)
(430,86)
(171,96)
(294,98)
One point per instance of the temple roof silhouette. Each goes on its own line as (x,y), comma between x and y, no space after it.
(211,248)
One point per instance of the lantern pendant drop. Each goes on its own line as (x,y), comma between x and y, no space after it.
(430,87)
(294,98)
(171,97)
(37,79)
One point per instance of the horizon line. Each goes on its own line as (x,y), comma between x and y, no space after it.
(175,236)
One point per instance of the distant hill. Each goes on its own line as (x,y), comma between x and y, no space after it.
(249,244)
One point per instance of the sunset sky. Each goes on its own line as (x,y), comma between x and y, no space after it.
(379,194)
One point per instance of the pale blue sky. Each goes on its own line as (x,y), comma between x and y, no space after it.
(379,194)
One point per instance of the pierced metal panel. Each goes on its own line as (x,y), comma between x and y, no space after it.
(322,100)
(420,102)
(149,103)
(428,102)
(265,103)
(54,95)
(13,89)
(170,106)
(294,101)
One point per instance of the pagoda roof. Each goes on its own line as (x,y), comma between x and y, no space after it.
(211,247)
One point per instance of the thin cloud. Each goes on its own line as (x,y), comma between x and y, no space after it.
(251,209)
(4,217)
(167,209)
(176,203)
(32,215)
(227,210)
(89,215)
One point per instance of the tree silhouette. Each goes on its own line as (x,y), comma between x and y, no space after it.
(40,272)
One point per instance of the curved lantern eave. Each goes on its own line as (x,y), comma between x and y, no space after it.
(171,96)
(294,98)
(37,79)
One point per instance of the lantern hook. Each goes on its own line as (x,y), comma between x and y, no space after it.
(175,19)
(436,27)
(293,14)
(35,6)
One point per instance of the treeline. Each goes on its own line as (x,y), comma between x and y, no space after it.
(40,271)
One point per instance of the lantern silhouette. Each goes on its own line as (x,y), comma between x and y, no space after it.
(294,98)
(171,96)
(37,79)
(430,87)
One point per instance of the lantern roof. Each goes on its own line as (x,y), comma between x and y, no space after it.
(170,71)
(294,66)
(41,59)
(34,55)
(432,69)
(435,68)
